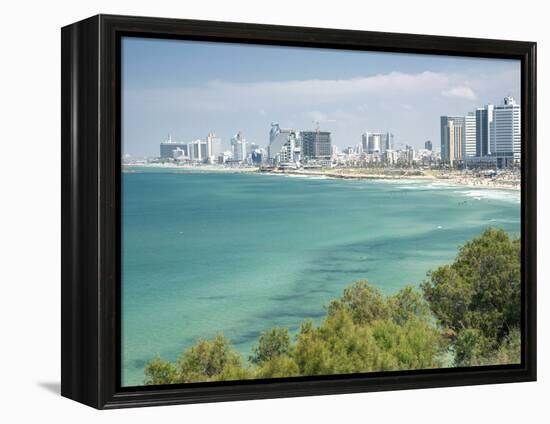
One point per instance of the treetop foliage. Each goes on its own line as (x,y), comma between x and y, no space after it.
(468,311)
(476,299)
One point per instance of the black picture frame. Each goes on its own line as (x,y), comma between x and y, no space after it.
(90,182)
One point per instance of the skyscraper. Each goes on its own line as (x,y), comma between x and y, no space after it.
(470,148)
(374,142)
(214,145)
(505,138)
(452,139)
(484,124)
(386,142)
(365,142)
(238,147)
(285,144)
(277,138)
(428,145)
(197,150)
(316,144)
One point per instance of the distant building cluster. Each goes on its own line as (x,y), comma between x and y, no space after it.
(196,150)
(210,150)
(293,148)
(379,149)
(489,137)
(242,152)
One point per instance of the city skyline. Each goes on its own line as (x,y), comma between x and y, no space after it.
(189,89)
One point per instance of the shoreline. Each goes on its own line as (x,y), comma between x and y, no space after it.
(459,180)
(450,179)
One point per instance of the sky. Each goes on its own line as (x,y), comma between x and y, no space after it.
(187,89)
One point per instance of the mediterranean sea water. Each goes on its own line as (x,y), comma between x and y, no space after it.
(205,253)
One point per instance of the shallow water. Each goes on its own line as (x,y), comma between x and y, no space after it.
(239,253)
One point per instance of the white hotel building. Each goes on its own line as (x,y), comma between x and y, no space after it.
(505,140)
(238,147)
(469,135)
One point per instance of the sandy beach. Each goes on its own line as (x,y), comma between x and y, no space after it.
(503,180)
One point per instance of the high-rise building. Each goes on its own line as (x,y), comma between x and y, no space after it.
(498,133)
(428,145)
(452,139)
(238,147)
(505,141)
(470,142)
(193,150)
(167,147)
(285,144)
(365,142)
(197,150)
(375,140)
(214,146)
(386,142)
(277,138)
(484,124)
(316,144)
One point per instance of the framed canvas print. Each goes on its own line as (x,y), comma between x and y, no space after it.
(253,211)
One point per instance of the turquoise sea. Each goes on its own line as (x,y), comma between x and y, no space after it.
(239,253)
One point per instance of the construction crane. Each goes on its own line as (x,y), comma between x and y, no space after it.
(319,121)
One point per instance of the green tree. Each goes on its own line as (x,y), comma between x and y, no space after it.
(450,298)
(414,345)
(311,353)
(472,349)
(476,299)
(272,343)
(234,372)
(364,302)
(208,360)
(509,351)
(159,371)
(407,305)
(339,345)
(278,366)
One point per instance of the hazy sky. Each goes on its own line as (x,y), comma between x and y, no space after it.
(189,88)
